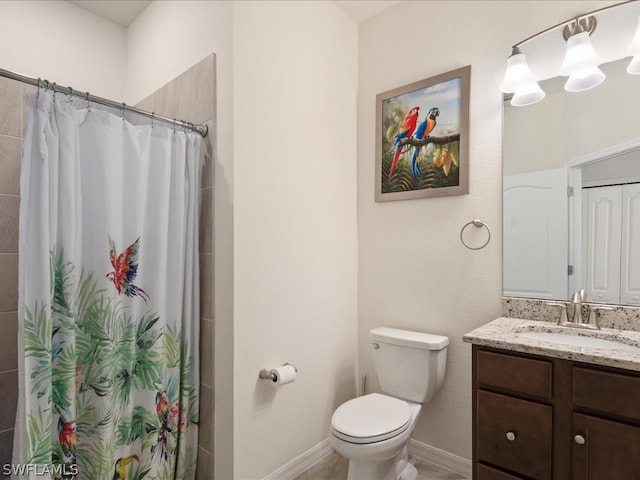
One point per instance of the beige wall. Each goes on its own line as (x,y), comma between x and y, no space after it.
(413,271)
(65,44)
(295,83)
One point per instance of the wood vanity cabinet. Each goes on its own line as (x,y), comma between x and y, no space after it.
(541,418)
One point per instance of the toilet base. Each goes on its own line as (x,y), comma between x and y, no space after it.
(371,470)
(395,468)
(408,472)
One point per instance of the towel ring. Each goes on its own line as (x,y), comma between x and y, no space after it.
(476,223)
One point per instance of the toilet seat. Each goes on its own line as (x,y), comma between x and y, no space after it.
(370,418)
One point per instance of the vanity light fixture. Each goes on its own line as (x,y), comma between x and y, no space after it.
(581,61)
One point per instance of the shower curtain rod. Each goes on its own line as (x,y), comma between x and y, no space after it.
(201,129)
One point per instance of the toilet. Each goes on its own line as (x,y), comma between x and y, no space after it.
(373,431)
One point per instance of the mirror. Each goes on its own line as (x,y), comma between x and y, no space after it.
(571,192)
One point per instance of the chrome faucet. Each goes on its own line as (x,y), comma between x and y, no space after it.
(576,320)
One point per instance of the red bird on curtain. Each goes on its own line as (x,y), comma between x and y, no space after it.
(67,438)
(125,269)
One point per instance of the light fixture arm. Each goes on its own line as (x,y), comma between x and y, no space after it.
(580,21)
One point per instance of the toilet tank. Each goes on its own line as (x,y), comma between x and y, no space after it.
(409,365)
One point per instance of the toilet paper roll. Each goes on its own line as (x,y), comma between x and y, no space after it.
(283,375)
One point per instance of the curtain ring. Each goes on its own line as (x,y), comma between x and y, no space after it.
(88,102)
(54,91)
(124,107)
(174,125)
(153,114)
(476,223)
(70,100)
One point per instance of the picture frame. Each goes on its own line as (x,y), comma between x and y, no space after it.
(422,138)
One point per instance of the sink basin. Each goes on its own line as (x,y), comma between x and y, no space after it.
(576,340)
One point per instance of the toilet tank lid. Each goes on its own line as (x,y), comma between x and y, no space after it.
(409,338)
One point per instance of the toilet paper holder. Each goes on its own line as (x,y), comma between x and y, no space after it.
(267,375)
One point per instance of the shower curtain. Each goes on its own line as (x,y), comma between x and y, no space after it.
(109,297)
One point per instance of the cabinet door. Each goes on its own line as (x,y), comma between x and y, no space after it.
(610,451)
(630,261)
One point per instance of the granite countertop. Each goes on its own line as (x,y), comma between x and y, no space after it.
(504,333)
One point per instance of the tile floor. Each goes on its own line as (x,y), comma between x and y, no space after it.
(334,467)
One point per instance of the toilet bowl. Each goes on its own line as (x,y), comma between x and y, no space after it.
(373,431)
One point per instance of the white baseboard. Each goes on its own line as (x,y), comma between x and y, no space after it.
(302,462)
(440,458)
(419,450)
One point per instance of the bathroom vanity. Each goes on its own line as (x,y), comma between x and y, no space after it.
(550,410)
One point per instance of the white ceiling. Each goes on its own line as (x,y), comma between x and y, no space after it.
(123,12)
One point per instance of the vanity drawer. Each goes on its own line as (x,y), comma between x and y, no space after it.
(518,374)
(514,434)
(488,473)
(607,392)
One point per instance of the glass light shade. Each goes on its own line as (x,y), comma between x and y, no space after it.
(518,73)
(634,66)
(580,55)
(527,94)
(634,51)
(584,79)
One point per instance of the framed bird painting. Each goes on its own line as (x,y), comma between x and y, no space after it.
(422,138)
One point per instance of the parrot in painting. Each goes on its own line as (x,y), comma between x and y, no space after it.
(67,438)
(120,471)
(125,269)
(405,131)
(423,131)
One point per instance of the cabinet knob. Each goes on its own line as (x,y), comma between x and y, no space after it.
(511,436)
(579,439)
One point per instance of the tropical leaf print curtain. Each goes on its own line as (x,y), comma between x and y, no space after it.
(109,297)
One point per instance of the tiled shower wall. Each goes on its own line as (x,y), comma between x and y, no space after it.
(191,97)
(13,115)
